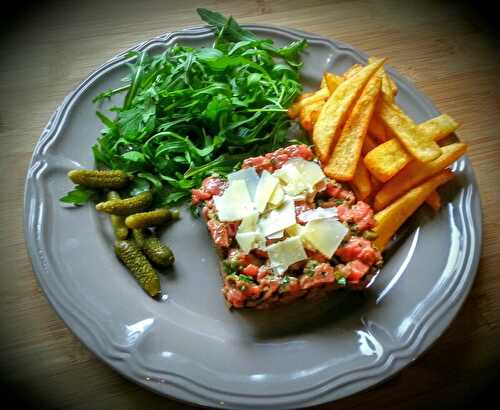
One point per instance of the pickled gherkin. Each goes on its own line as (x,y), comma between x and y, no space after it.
(92,178)
(157,252)
(118,222)
(139,236)
(127,206)
(152,218)
(139,266)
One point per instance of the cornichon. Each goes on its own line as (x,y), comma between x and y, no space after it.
(138,265)
(157,252)
(152,218)
(127,206)
(92,178)
(139,236)
(118,222)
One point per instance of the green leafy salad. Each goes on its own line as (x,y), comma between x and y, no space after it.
(192,112)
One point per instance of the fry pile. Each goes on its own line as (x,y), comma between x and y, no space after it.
(363,138)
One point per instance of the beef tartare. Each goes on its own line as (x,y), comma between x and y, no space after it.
(286,231)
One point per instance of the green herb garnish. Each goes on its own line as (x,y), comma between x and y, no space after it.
(189,113)
(342,281)
(245,278)
(79,195)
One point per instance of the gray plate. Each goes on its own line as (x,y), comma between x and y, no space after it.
(189,346)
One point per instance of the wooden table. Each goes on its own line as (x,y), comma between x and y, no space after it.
(47,51)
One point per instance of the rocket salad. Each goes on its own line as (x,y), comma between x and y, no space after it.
(190,112)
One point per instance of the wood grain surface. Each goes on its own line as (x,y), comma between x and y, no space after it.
(449,52)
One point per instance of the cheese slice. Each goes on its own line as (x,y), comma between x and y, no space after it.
(318,213)
(285,253)
(250,176)
(291,179)
(294,230)
(265,189)
(249,223)
(250,240)
(310,172)
(276,235)
(277,197)
(324,235)
(235,203)
(299,176)
(278,219)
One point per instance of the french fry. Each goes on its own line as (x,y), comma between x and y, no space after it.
(353,70)
(321,95)
(314,116)
(361,182)
(368,144)
(394,86)
(303,95)
(391,218)
(332,81)
(416,172)
(436,128)
(306,115)
(377,129)
(386,160)
(417,143)
(434,201)
(439,127)
(387,86)
(344,160)
(376,184)
(335,111)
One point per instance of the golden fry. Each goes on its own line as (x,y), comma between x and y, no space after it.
(303,95)
(332,81)
(416,172)
(436,128)
(376,184)
(394,86)
(418,144)
(434,201)
(308,112)
(361,182)
(353,70)
(386,160)
(321,95)
(377,129)
(368,144)
(335,111)
(344,160)
(439,127)
(391,218)
(389,88)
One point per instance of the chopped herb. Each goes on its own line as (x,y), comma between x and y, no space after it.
(339,201)
(342,281)
(311,265)
(245,278)
(229,268)
(353,228)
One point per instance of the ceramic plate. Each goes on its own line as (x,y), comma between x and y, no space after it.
(188,345)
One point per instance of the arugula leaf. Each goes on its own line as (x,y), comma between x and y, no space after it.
(192,112)
(79,196)
(232,29)
(138,186)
